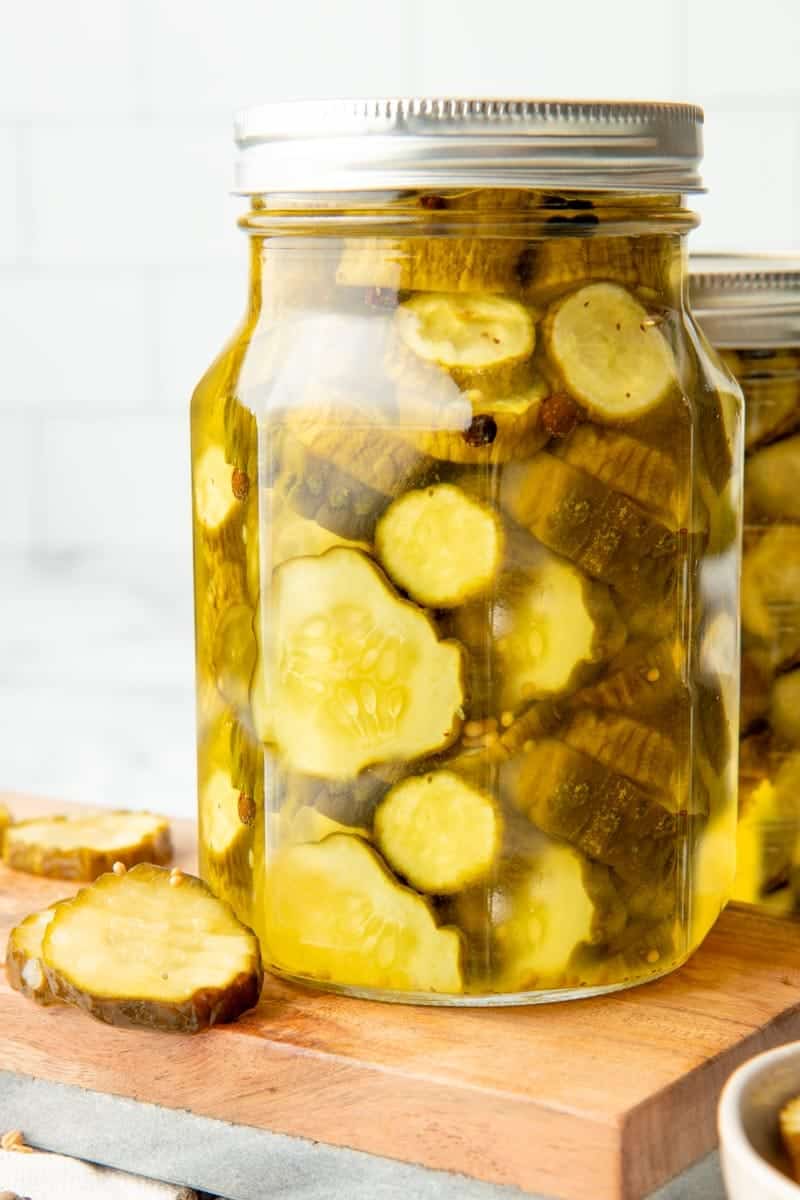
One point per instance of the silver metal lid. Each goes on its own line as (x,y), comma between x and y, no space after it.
(360,145)
(747,300)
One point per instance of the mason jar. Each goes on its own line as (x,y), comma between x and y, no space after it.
(749,306)
(466,526)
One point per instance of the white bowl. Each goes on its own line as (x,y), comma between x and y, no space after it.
(753,1162)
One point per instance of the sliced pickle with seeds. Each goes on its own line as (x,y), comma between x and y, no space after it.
(641,752)
(357,675)
(84,847)
(334,913)
(644,473)
(610,356)
(153,949)
(604,814)
(439,832)
(474,338)
(24,970)
(604,532)
(440,545)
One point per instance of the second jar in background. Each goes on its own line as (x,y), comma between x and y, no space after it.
(750,309)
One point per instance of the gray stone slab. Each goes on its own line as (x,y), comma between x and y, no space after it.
(241,1163)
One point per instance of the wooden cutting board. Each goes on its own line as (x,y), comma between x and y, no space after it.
(603,1099)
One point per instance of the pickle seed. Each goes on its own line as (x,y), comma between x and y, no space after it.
(481,432)
(240,483)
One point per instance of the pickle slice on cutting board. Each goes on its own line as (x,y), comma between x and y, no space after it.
(644,473)
(440,545)
(604,814)
(609,355)
(356,675)
(24,970)
(622,743)
(771,592)
(772,482)
(438,832)
(480,425)
(784,710)
(608,535)
(149,948)
(335,913)
(557,904)
(474,338)
(84,847)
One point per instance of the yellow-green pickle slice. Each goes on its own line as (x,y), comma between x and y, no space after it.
(355,674)
(438,832)
(83,847)
(24,969)
(334,913)
(610,356)
(440,545)
(153,948)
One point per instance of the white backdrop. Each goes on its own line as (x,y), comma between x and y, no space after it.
(122,272)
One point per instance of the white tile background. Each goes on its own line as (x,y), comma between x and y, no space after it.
(122,272)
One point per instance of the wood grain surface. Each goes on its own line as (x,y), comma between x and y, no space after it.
(602,1099)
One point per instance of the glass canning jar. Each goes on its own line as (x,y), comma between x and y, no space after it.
(466,525)
(749,306)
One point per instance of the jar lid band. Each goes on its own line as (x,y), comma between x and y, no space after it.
(363,145)
(747,300)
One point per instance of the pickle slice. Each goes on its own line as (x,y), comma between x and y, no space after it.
(340,467)
(308,824)
(556,628)
(560,904)
(472,337)
(429,264)
(642,472)
(479,425)
(636,750)
(642,678)
(226,818)
(789,1121)
(604,814)
(438,832)
(784,710)
(608,535)
(772,482)
(288,534)
(771,592)
(358,675)
(609,355)
(440,545)
(24,970)
(234,654)
(86,846)
(334,913)
(149,948)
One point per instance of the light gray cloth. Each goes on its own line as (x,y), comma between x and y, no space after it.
(40,1176)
